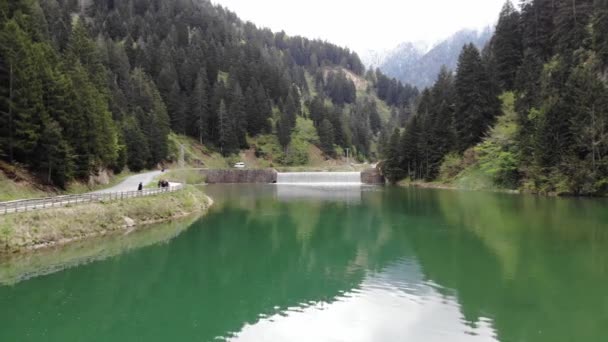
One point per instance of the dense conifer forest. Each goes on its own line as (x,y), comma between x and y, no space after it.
(98,84)
(548,63)
(87,85)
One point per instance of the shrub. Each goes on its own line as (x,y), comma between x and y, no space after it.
(451,166)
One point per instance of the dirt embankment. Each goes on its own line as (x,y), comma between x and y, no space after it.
(40,229)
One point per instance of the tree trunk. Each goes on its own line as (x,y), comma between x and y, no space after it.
(593,138)
(10,115)
(50,171)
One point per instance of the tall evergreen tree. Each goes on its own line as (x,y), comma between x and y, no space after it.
(227,141)
(238,115)
(476,104)
(506,46)
(600,30)
(392,168)
(137,148)
(409,147)
(283,131)
(326,136)
(199,107)
(571,21)
(55,154)
(537,23)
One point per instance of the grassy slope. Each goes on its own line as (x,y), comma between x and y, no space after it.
(17,183)
(12,190)
(55,226)
(195,154)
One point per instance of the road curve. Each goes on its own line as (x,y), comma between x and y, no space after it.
(130,183)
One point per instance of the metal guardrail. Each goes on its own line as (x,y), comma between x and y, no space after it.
(62,201)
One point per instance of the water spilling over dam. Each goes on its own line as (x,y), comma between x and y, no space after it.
(319,178)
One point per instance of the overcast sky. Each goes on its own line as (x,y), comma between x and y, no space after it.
(365,24)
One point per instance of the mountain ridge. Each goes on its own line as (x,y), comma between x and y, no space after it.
(411,63)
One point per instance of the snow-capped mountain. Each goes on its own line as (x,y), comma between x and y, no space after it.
(412,63)
(373,58)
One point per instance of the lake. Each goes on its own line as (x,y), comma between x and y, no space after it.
(289,263)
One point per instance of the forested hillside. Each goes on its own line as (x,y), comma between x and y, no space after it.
(548,60)
(87,85)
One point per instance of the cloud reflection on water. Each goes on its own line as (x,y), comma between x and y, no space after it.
(393,305)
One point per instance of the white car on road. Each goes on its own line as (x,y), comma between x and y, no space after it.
(239,165)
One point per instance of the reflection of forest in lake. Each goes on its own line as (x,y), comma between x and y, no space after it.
(379,263)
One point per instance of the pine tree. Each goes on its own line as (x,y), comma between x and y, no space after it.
(238,115)
(253,110)
(361,131)
(326,136)
(291,110)
(23,97)
(537,23)
(137,147)
(439,130)
(199,107)
(81,49)
(409,147)
(375,122)
(264,113)
(55,154)
(283,131)
(552,135)
(392,168)
(317,110)
(176,108)
(476,104)
(160,127)
(383,144)
(336,117)
(506,46)
(227,141)
(600,30)
(571,20)
(586,98)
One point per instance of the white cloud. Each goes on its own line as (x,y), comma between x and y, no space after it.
(363,24)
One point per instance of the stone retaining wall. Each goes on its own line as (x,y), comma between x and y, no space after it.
(240,176)
(372,176)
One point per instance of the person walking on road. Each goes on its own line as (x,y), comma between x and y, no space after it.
(140,187)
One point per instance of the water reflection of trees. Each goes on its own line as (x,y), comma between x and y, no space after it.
(536,266)
(249,258)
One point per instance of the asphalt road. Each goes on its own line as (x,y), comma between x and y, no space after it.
(131,182)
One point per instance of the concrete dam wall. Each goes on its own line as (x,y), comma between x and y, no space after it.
(266,176)
(270,176)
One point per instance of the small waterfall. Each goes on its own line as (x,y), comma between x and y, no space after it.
(319,178)
(319,193)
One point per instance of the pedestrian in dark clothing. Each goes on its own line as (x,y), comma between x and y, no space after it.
(140,187)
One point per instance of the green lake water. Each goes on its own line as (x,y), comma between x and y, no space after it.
(276,263)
